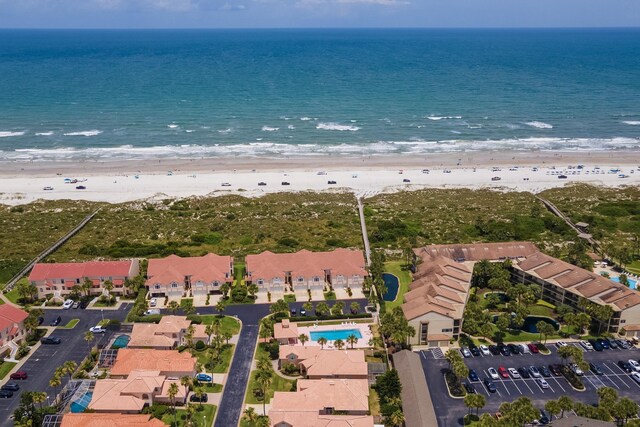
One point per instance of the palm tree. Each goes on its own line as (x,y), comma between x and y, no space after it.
(396,418)
(209,331)
(108,286)
(227,336)
(172,392)
(199,391)
(354,307)
(352,340)
(87,285)
(263,379)
(553,408)
(173,306)
(322,341)
(55,382)
(566,404)
(188,336)
(308,306)
(250,415)
(69,368)
(186,382)
(89,337)
(220,306)
(339,344)
(212,356)
(303,338)
(39,397)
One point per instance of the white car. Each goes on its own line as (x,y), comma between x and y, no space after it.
(635,365)
(226,184)
(542,383)
(514,374)
(524,349)
(67,304)
(534,371)
(484,350)
(465,352)
(587,345)
(576,369)
(636,377)
(561,344)
(152,302)
(98,330)
(493,374)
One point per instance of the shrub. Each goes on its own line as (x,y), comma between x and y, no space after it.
(273,348)
(200,345)
(454,384)
(289,369)
(158,410)
(239,293)
(23,350)
(573,379)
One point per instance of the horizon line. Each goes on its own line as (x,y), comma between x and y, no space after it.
(313,28)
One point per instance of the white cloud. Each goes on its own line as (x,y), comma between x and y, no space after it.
(229,6)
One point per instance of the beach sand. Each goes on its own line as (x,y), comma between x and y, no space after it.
(121,181)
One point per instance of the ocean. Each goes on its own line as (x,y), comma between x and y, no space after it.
(71,95)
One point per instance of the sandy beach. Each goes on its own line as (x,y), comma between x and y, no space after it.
(121,181)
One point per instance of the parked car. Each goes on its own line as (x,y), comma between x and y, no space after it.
(636,377)
(195,398)
(533,348)
(544,371)
(596,369)
(152,311)
(204,378)
(503,372)
(5,394)
(604,343)
(67,304)
(469,387)
(331,182)
(514,374)
(40,320)
(81,187)
(98,330)
(303,312)
(623,344)
(524,372)
(226,184)
(48,188)
(473,376)
(286,183)
(494,350)
(56,321)
(493,373)
(534,371)
(542,383)
(504,350)
(19,375)
(524,349)
(11,386)
(496,178)
(586,345)
(544,419)
(635,365)
(76,304)
(465,352)
(555,369)
(613,344)
(515,349)
(474,350)
(562,176)
(485,350)
(576,369)
(561,344)
(490,385)
(261,183)
(596,345)
(406,180)
(50,340)
(625,366)
(153,302)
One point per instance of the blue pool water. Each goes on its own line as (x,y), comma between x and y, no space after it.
(121,342)
(81,404)
(341,334)
(392,284)
(632,283)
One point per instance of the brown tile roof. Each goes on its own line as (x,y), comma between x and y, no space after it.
(79,270)
(631,327)
(208,269)
(315,395)
(328,363)
(285,330)
(307,419)
(479,251)
(129,360)
(110,420)
(301,352)
(304,263)
(10,315)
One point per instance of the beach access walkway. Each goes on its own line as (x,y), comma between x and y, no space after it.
(363,226)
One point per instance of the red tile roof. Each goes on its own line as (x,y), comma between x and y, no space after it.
(304,263)
(10,315)
(208,268)
(67,270)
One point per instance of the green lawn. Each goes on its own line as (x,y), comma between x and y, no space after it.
(239,270)
(245,423)
(72,324)
(278,384)
(212,387)
(5,368)
(183,302)
(330,296)
(290,298)
(223,364)
(202,417)
(541,310)
(634,267)
(404,277)
(13,296)
(229,324)
(374,402)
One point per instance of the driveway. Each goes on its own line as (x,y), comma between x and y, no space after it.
(42,364)
(450,411)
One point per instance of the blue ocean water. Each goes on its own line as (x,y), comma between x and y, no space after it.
(192,94)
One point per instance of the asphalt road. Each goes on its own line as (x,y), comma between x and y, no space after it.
(450,411)
(230,409)
(43,362)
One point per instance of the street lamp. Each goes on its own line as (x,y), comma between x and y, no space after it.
(102,313)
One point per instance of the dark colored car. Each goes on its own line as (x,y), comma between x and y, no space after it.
(596,345)
(613,344)
(596,369)
(19,375)
(11,386)
(262,183)
(623,344)
(533,348)
(40,320)
(331,182)
(84,304)
(81,187)
(469,387)
(625,366)
(544,419)
(406,180)
(5,394)
(604,343)
(490,385)
(473,376)
(56,321)
(474,350)
(50,340)
(293,312)
(555,370)
(195,398)
(544,371)
(494,350)
(524,373)
(285,183)
(504,350)
(513,348)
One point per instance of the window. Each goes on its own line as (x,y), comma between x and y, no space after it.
(300,279)
(174,285)
(316,279)
(623,321)
(216,283)
(447,330)
(260,282)
(157,286)
(328,411)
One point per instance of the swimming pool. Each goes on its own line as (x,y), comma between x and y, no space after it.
(338,334)
(81,404)
(632,283)
(121,342)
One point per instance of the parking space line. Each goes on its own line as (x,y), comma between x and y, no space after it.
(505,387)
(536,383)
(593,382)
(525,383)
(616,374)
(514,383)
(559,385)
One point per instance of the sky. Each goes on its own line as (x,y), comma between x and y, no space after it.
(317,13)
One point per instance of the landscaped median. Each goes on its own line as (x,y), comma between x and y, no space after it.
(70,325)
(5,368)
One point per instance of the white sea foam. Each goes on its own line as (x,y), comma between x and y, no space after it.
(6,134)
(337,126)
(269,129)
(172,126)
(539,125)
(632,122)
(44,133)
(189,130)
(225,131)
(291,127)
(436,118)
(305,119)
(512,126)
(84,133)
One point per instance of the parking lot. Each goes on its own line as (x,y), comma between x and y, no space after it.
(450,411)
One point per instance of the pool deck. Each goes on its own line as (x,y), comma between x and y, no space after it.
(362,327)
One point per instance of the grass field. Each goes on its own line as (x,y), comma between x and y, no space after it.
(278,383)
(229,324)
(202,417)
(5,368)
(223,364)
(72,324)
(404,277)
